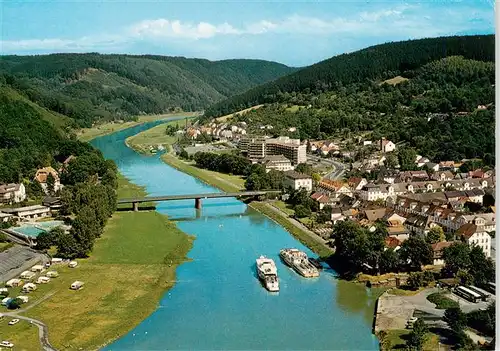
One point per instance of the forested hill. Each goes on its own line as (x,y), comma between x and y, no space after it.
(445,110)
(90,87)
(374,63)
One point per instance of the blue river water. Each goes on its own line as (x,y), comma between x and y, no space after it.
(218,302)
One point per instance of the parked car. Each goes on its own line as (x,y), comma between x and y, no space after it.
(410,322)
(6,344)
(14,321)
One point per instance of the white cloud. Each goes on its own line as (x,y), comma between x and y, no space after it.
(396,22)
(176,29)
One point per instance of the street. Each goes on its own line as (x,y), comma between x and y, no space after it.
(338,167)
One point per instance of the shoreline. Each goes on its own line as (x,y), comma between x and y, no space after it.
(88,134)
(120,259)
(305,238)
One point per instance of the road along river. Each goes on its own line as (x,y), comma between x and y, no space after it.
(218,302)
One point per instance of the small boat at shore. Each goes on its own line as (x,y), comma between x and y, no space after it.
(299,261)
(268,273)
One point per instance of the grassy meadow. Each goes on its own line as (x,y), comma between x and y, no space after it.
(131,267)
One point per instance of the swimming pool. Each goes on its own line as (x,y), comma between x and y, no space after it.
(34,229)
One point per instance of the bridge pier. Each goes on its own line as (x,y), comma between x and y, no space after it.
(197,203)
(135,206)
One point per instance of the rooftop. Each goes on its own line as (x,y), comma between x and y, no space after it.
(297,175)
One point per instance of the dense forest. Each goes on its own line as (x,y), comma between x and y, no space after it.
(371,64)
(32,137)
(444,110)
(90,87)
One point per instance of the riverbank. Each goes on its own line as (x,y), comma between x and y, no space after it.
(231,183)
(131,267)
(153,137)
(87,134)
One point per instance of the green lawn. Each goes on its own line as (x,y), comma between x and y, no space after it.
(442,301)
(153,137)
(23,335)
(131,267)
(396,340)
(225,182)
(284,207)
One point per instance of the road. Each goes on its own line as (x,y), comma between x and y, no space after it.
(299,225)
(338,167)
(43,331)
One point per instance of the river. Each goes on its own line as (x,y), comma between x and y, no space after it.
(218,302)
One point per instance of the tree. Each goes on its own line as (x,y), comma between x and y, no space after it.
(302,211)
(183,154)
(415,280)
(455,318)
(465,277)
(435,235)
(316,177)
(391,161)
(15,303)
(389,261)
(253,182)
(47,239)
(304,168)
(417,251)
(482,268)
(407,157)
(325,214)
(456,257)
(351,245)
(416,338)
(50,183)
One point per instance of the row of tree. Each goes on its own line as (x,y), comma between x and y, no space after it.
(89,198)
(357,249)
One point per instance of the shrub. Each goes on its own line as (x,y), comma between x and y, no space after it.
(441,301)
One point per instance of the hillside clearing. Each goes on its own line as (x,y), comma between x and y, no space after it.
(395,80)
(239,113)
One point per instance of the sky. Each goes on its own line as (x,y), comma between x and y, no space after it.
(296,33)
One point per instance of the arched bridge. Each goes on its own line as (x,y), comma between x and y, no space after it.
(135,201)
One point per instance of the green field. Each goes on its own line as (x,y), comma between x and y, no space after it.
(131,267)
(87,134)
(23,335)
(396,340)
(153,137)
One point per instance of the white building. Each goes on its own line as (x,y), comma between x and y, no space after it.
(277,162)
(297,180)
(29,212)
(387,145)
(12,193)
(476,235)
(5,217)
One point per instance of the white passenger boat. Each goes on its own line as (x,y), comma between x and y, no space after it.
(299,262)
(268,273)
